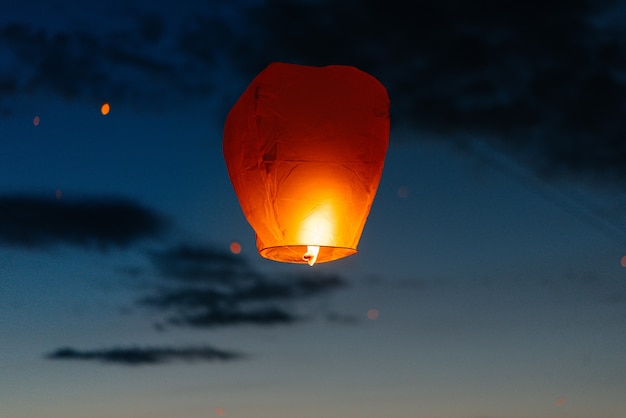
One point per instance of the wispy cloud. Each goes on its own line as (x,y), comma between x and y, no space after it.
(203,287)
(35,222)
(136,356)
(149,65)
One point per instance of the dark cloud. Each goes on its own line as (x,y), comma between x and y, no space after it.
(135,356)
(197,263)
(542,81)
(32,221)
(203,287)
(8,85)
(152,27)
(144,58)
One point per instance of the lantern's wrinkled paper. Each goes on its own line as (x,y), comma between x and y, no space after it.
(305,148)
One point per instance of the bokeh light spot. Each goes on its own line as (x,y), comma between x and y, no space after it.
(373,314)
(105,109)
(403,192)
(220,412)
(624,261)
(36,120)
(58,194)
(235,247)
(560,401)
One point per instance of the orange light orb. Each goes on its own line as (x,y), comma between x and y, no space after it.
(373,314)
(105,109)
(235,247)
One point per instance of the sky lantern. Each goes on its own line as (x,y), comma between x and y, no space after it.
(305,148)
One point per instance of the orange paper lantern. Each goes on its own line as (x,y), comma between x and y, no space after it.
(305,148)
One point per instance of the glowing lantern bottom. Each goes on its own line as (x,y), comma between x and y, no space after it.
(316,216)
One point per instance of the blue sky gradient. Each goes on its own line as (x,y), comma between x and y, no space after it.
(489,280)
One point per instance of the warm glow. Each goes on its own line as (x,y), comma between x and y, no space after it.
(36,121)
(58,194)
(560,401)
(105,109)
(315,230)
(318,227)
(220,412)
(624,261)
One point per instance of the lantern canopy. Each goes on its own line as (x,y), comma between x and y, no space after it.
(305,148)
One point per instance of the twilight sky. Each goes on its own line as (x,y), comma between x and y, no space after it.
(491,274)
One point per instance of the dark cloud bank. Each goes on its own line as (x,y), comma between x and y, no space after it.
(35,222)
(543,81)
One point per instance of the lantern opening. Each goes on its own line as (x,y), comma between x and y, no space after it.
(295,253)
(312,251)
